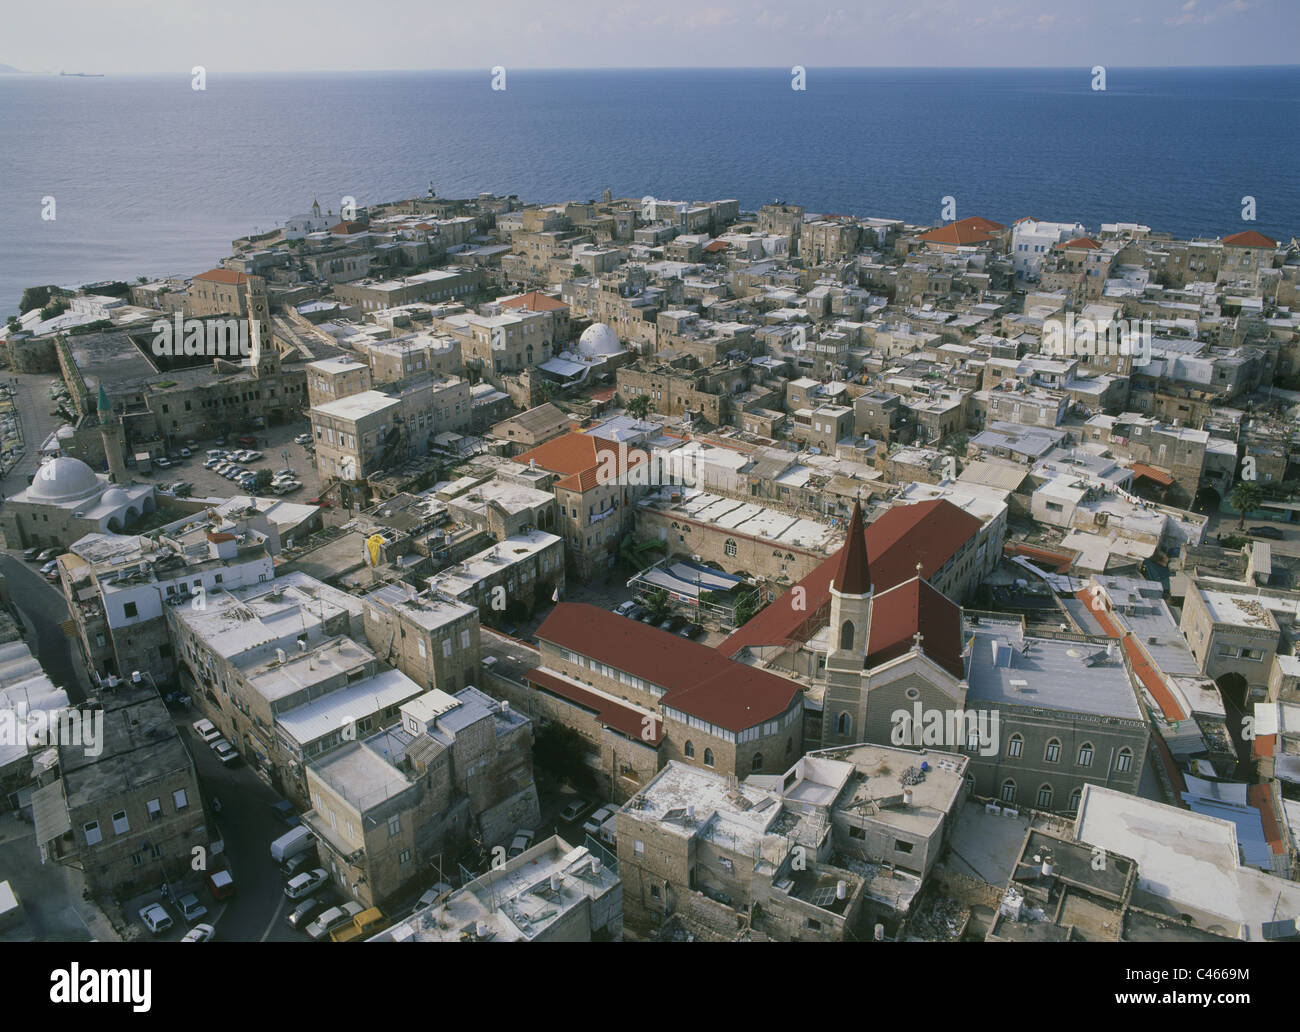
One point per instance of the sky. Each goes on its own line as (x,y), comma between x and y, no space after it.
(236,36)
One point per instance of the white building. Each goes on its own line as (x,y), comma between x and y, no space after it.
(1032,241)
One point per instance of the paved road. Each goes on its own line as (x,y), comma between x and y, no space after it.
(32,400)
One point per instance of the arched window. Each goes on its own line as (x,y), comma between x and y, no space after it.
(1085,754)
(689,748)
(1045,797)
(843,724)
(708,757)
(757,762)
(1075,796)
(730,547)
(1016,746)
(1009,791)
(1053,751)
(1124,761)
(846,634)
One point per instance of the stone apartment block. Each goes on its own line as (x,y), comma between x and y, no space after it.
(330,379)
(128,814)
(1233,636)
(454,771)
(432,639)
(216,292)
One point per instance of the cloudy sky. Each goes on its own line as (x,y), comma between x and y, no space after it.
(171,36)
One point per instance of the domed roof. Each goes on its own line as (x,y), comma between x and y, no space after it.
(64,479)
(599,339)
(114,496)
(66,433)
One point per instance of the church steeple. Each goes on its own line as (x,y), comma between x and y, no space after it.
(850,623)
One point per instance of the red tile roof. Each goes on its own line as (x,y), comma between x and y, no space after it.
(930,533)
(622,718)
(1060,560)
(716,247)
(533,301)
(963,232)
(346,228)
(1249,238)
(852,575)
(226,276)
(913,607)
(1141,469)
(580,457)
(1147,672)
(1261,798)
(700,680)
(1079,243)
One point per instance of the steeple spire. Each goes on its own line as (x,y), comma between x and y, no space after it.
(853,573)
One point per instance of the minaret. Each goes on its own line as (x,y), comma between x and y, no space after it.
(110,429)
(850,622)
(263,358)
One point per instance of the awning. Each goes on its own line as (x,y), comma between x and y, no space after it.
(50,813)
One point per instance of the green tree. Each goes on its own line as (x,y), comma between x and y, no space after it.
(657,602)
(34,297)
(1245,496)
(261,480)
(639,407)
(14,324)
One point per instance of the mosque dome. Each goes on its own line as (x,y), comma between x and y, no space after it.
(64,479)
(115,496)
(598,340)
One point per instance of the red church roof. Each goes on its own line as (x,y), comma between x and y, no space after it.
(915,607)
(700,681)
(963,232)
(929,533)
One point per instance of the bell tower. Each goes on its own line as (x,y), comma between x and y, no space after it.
(850,621)
(263,358)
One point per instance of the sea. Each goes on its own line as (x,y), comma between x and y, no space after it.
(151,177)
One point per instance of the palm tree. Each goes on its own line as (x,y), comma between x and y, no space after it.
(1245,496)
(639,407)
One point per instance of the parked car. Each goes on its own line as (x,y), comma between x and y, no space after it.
(297,863)
(252,456)
(155,918)
(302,439)
(304,912)
(50,567)
(186,453)
(332,918)
(190,907)
(182,488)
(599,817)
(200,933)
(690,631)
(321,502)
(433,895)
(162,462)
(290,486)
(47,555)
(574,810)
(1272,533)
(305,884)
(206,730)
(636,612)
(225,752)
(523,840)
(624,608)
(287,815)
(32,554)
(283,474)
(221,884)
(248,441)
(674,624)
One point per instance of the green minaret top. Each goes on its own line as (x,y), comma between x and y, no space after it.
(103,405)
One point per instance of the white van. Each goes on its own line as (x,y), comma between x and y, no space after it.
(291,843)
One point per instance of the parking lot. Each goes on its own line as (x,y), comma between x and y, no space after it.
(279,451)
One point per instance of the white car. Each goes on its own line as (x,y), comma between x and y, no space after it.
(332,918)
(156,918)
(50,567)
(523,840)
(305,884)
(206,730)
(594,822)
(200,933)
(225,751)
(434,895)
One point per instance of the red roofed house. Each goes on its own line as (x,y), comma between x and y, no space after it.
(1244,256)
(969,232)
(657,697)
(555,309)
(596,488)
(216,292)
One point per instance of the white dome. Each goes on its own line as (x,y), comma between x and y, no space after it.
(114,496)
(599,339)
(66,433)
(64,479)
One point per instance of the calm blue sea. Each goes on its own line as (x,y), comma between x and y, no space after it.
(151,177)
